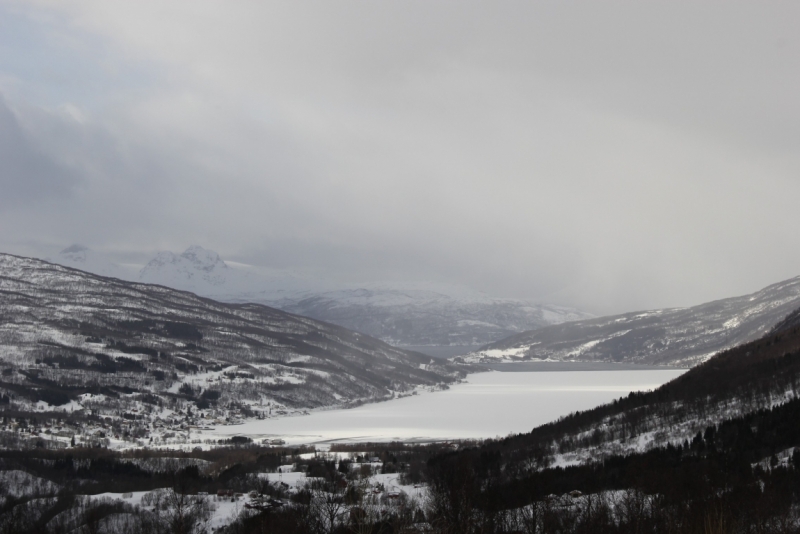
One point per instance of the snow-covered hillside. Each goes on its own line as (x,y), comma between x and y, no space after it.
(73,339)
(412,316)
(401,314)
(196,268)
(749,378)
(679,337)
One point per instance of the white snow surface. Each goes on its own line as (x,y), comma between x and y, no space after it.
(486,405)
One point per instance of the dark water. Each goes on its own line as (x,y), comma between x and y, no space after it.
(442,351)
(532,367)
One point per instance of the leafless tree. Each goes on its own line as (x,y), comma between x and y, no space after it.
(327,506)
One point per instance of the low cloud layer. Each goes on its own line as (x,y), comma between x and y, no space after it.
(612,156)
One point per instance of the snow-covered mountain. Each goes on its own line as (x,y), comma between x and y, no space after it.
(401,314)
(85,259)
(66,333)
(427,316)
(195,269)
(204,272)
(679,337)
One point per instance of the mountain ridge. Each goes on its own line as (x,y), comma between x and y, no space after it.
(399,313)
(676,336)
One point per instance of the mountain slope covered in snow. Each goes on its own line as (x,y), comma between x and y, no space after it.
(404,316)
(679,337)
(749,377)
(65,334)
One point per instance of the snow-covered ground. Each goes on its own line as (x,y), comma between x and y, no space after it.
(678,426)
(485,406)
(223,510)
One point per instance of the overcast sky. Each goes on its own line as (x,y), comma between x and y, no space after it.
(608,155)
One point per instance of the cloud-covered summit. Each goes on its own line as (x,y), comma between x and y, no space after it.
(195,269)
(83,258)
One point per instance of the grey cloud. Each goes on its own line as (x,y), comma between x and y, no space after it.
(612,155)
(27,173)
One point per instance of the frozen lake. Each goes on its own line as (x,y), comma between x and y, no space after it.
(488,405)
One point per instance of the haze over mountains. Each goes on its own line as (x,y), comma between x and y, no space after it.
(83,258)
(439,315)
(679,337)
(401,314)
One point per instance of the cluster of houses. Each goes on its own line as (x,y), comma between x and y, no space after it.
(134,426)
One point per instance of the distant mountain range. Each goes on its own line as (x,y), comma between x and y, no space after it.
(676,337)
(400,314)
(407,316)
(68,336)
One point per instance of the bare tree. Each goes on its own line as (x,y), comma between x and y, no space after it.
(175,511)
(327,504)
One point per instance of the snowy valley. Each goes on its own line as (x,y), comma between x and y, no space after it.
(173,393)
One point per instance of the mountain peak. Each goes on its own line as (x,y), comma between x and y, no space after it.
(75,249)
(204,259)
(74,255)
(196,269)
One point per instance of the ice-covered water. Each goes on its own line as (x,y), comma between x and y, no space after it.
(487,405)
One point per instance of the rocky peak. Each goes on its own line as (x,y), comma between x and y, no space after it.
(204,259)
